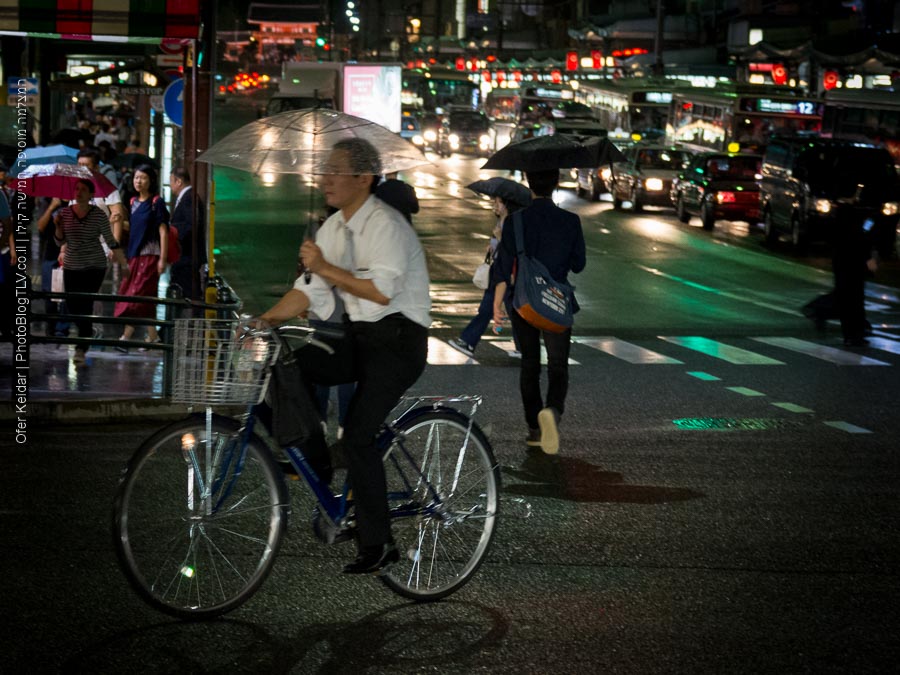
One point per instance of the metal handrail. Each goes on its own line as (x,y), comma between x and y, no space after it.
(224,309)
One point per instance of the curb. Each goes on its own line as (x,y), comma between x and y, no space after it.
(92,411)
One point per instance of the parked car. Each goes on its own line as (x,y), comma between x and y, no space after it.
(718,185)
(645,178)
(809,183)
(467,132)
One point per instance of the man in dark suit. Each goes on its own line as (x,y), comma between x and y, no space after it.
(554,237)
(185,272)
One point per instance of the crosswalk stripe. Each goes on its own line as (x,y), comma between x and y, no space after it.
(891,346)
(442,354)
(625,350)
(841,357)
(720,350)
(849,428)
(509,346)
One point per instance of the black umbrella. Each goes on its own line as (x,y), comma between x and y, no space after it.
(604,151)
(130,160)
(504,188)
(543,153)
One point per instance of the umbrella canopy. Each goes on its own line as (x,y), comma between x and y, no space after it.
(300,141)
(604,151)
(130,160)
(542,153)
(74,138)
(50,154)
(505,188)
(58,180)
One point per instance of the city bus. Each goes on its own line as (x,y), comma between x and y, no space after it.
(871,114)
(631,106)
(712,119)
(435,90)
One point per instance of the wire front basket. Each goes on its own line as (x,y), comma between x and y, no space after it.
(217,364)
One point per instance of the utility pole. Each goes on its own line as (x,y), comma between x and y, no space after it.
(659,68)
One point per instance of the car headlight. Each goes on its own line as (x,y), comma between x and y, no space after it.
(454,139)
(484,140)
(822,206)
(605,173)
(418,140)
(653,184)
(431,135)
(890,208)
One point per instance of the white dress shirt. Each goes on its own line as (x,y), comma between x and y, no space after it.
(378,244)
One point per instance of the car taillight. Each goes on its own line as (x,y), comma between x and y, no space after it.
(725,197)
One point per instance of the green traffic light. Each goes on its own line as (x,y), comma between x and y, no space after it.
(320,42)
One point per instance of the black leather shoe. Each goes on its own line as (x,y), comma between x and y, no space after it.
(373,559)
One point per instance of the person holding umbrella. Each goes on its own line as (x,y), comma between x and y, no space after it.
(78,231)
(554,237)
(508,196)
(372,258)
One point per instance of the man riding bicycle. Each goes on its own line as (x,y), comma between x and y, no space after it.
(370,257)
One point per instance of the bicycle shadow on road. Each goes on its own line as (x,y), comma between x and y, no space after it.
(575,480)
(402,638)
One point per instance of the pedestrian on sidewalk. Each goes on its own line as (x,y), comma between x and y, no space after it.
(184,272)
(471,335)
(79,228)
(7,262)
(148,239)
(51,258)
(554,237)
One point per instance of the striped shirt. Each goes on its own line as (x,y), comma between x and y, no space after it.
(82,238)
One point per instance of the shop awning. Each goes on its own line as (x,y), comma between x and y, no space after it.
(147,21)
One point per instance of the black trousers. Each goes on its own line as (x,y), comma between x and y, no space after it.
(558,346)
(384,358)
(83,281)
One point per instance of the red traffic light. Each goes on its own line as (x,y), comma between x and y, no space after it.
(779,74)
(830,79)
(571,60)
(596,59)
(460,63)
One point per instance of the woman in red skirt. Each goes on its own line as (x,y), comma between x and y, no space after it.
(148,235)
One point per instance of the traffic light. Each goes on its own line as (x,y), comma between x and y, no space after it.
(830,79)
(322,43)
(572,60)
(596,58)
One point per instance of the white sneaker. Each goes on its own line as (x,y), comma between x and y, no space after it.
(461,346)
(549,432)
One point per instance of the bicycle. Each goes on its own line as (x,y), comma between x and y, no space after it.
(202,507)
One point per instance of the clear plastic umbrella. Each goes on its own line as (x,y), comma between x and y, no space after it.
(300,142)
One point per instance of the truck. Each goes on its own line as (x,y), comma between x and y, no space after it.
(367,90)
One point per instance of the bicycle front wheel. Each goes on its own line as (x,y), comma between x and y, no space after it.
(198,520)
(443,492)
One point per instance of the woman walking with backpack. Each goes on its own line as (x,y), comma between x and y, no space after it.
(147,250)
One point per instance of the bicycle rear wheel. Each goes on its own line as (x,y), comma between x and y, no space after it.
(443,492)
(197,524)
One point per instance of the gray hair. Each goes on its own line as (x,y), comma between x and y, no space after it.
(363,156)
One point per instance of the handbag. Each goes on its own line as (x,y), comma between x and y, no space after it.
(544,302)
(57,282)
(482,276)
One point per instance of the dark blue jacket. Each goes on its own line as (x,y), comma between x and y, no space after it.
(552,235)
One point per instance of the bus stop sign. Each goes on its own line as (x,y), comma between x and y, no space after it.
(173,102)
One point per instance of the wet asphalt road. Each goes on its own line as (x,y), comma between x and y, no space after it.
(650,548)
